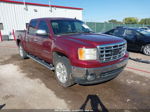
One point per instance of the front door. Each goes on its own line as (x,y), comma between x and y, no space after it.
(131,37)
(43,44)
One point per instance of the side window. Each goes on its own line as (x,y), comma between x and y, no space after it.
(119,32)
(32,27)
(130,34)
(43,26)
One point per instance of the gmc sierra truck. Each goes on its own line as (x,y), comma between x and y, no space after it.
(72,50)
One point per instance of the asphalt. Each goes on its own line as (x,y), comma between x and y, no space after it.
(25,84)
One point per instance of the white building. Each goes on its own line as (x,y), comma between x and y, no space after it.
(14,15)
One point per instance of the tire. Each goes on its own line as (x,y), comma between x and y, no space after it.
(63,71)
(22,52)
(146,49)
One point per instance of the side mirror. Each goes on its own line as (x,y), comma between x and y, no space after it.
(41,33)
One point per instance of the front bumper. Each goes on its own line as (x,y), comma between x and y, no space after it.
(97,75)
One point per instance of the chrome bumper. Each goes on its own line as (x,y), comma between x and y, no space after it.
(101,74)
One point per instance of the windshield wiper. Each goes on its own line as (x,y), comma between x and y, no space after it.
(90,32)
(67,33)
(87,32)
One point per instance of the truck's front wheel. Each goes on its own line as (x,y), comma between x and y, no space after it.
(63,71)
(22,53)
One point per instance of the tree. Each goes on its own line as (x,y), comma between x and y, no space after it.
(145,21)
(115,21)
(130,20)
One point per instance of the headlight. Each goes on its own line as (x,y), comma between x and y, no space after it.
(87,53)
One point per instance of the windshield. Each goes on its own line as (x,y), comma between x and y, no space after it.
(145,32)
(61,27)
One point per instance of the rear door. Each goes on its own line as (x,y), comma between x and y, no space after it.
(43,45)
(30,37)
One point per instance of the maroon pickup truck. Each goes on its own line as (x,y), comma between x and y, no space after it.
(69,47)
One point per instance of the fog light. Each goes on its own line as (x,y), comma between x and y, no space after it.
(91,77)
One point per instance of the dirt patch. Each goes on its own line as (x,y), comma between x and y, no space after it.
(19,91)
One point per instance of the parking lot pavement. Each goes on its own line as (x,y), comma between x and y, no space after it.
(25,84)
(142,69)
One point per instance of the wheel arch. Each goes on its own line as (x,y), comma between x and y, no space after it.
(56,54)
(142,47)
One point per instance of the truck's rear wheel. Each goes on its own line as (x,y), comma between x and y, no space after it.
(22,53)
(63,71)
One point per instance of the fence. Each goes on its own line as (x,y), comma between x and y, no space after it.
(102,27)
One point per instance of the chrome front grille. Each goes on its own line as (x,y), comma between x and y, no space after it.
(111,52)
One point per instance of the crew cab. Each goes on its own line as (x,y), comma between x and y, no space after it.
(72,50)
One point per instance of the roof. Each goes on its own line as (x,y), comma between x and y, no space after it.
(129,28)
(126,27)
(57,18)
(37,4)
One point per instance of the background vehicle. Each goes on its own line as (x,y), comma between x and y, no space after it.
(137,39)
(70,48)
(148,27)
(145,28)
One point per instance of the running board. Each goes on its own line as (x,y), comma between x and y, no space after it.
(42,62)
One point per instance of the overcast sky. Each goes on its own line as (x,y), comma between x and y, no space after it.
(104,10)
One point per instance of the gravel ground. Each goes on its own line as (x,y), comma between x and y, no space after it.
(25,84)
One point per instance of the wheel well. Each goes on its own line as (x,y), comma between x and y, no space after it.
(58,54)
(18,42)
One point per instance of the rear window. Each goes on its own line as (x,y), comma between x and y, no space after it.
(145,32)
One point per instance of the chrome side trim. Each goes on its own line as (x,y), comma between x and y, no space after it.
(42,62)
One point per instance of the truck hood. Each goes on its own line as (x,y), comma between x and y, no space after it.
(94,39)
